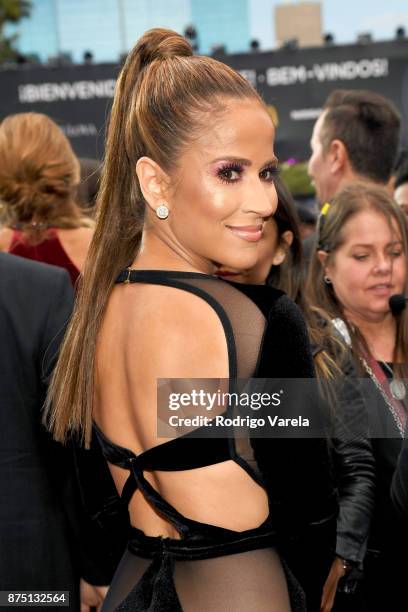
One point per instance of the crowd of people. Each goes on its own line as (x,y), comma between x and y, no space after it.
(191,266)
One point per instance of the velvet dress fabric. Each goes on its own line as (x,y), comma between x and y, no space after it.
(49,251)
(209,567)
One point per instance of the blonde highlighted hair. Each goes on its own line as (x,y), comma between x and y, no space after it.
(39,174)
(164,98)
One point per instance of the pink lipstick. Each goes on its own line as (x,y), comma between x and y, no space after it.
(250,233)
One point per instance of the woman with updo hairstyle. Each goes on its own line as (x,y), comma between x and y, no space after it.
(361,262)
(187,185)
(39,175)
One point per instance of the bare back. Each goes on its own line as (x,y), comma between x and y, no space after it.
(153,331)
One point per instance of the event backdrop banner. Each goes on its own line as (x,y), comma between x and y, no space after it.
(294,84)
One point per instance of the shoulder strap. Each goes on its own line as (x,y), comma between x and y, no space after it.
(179,280)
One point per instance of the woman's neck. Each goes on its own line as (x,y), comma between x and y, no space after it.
(158,253)
(380,336)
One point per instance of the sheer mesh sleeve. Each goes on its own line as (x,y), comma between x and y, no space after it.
(297,472)
(210,567)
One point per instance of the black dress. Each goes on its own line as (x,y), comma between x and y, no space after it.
(209,567)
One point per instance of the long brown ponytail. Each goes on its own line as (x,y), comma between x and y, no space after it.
(162,98)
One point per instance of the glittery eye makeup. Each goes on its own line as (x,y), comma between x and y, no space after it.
(269,173)
(231,172)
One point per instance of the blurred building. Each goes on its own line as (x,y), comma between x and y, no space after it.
(301,21)
(37,34)
(221,22)
(109,28)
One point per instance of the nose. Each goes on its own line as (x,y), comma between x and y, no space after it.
(261,198)
(383,264)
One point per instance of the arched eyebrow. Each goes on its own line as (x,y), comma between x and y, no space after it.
(245,162)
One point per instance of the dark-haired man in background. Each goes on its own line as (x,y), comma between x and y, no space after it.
(355,138)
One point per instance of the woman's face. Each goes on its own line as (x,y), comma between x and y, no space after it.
(272,251)
(224,189)
(369,267)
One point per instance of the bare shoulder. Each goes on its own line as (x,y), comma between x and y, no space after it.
(179,332)
(6,235)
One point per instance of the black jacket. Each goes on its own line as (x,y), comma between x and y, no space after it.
(352,455)
(354,466)
(35,543)
(372,445)
(399,488)
(47,541)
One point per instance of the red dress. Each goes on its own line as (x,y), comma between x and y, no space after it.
(49,251)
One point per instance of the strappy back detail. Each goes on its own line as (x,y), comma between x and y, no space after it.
(207,567)
(244,326)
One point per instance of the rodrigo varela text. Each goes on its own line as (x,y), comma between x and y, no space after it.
(237,421)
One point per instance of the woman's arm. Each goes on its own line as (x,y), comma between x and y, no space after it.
(354,471)
(305,460)
(298,471)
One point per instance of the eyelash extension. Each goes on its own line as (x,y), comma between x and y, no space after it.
(274,170)
(233,167)
(230,167)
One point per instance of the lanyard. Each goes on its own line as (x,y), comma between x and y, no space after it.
(381,381)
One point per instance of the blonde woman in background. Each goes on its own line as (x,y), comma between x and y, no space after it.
(39,175)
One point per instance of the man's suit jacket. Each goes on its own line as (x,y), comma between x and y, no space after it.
(35,542)
(49,493)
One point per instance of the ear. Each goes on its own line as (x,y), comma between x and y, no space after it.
(323,257)
(287,237)
(154,182)
(338,157)
(286,240)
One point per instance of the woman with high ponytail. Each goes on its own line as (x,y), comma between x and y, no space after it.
(187,185)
